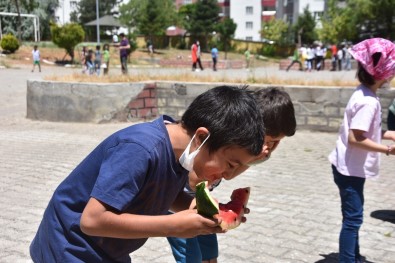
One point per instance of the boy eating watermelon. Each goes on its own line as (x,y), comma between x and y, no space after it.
(119,195)
(278,114)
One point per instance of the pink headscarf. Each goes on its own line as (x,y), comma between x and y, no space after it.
(363,52)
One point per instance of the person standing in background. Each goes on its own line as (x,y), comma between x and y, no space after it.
(124,47)
(214,56)
(36,58)
(247,56)
(198,55)
(194,49)
(334,57)
(106,59)
(97,61)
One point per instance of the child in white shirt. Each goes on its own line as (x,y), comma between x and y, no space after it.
(357,153)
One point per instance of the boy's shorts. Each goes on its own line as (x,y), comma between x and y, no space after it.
(36,62)
(194,250)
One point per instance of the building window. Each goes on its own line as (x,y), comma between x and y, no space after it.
(249,38)
(249,25)
(186,2)
(249,10)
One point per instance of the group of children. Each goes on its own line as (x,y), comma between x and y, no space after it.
(92,62)
(122,192)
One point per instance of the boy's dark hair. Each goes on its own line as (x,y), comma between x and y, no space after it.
(231,115)
(122,34)
(98,47)
(363,76)
(277,111)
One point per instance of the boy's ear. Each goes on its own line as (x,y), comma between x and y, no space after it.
(202,134)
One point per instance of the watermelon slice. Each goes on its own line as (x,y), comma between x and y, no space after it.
(230,213)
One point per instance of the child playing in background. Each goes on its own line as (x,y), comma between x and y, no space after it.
(278,114)
(106,58)
(97,61)
(358,148)
(88,62)
(36,58)
(119,195)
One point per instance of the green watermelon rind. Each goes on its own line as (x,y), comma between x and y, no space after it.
(205,203)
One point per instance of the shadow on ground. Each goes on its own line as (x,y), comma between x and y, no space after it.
(385,215)
(333,258)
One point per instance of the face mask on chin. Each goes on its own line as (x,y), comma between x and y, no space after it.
(186,159)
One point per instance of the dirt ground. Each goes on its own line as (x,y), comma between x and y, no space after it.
(52,54)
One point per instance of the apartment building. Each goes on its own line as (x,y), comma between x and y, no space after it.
(247,14)
(289,10)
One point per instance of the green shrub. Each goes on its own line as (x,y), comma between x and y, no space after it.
(268,50)
(9,43)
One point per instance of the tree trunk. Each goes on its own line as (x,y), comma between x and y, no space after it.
(19,30)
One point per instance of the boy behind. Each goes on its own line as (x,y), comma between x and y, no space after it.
(119,195)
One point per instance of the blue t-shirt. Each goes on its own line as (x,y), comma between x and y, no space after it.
(214,52)
(133,171)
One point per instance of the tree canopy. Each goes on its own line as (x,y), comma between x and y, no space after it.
(276,30)
(149,17)
(226,28)
(44,9)
(67,37)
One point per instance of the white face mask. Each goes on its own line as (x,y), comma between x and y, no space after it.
(186,158)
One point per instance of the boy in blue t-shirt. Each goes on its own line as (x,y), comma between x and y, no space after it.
(119,195)
(278,116)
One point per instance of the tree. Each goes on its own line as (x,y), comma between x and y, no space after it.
(150,17)
(86,12)
(67,37)
(156,17)
(276,30)
(226,28)
(44,9)
(305,26)
(204,18)
(338,24)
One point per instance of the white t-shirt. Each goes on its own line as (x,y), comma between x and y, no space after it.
(36,55)
(363,112)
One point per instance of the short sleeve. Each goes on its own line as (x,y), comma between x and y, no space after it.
(363,116)
(122,174)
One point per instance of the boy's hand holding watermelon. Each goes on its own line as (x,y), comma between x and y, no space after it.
(230,215)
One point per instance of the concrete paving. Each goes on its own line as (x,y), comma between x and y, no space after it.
(295,207)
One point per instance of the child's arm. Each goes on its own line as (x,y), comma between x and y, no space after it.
(99,220)
(357,139)
(389,135)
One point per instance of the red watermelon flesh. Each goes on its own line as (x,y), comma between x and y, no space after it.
(232,213)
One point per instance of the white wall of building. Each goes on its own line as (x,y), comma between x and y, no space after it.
(247,15)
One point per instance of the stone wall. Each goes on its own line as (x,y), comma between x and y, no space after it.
(317,108)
